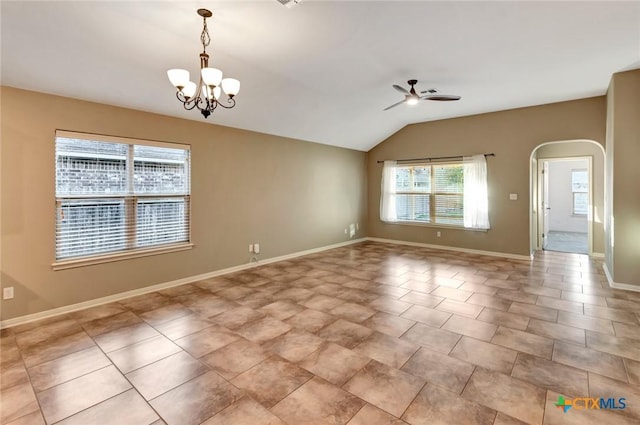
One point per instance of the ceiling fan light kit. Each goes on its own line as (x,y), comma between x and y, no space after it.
(206,94)
(289,3)
(411,97)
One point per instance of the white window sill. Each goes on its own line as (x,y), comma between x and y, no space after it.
(108,258)
(434,225)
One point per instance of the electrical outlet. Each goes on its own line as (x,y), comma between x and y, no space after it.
(438,234)
(256,248)
(250,248)
(7,293)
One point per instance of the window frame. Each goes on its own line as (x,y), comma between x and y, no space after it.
(573,206)
(432,196)
(130,199)
(576,192)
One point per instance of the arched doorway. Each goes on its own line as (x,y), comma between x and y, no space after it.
(562,151)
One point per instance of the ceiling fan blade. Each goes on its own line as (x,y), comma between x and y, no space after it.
(400,89)
(394,105)
(441,97)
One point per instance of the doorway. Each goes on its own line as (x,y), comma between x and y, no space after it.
(565,199)
(565,150)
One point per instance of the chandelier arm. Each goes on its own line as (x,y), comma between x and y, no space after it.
(210,106)
(230,101)
(187,104)
(202,104)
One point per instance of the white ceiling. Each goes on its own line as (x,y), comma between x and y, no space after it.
(322,71)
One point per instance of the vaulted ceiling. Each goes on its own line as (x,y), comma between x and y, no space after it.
(322,71)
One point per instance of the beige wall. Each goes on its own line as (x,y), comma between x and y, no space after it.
(512,135)
(625,139)
(247,187)
(589,149)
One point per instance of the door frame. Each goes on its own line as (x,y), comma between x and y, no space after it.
(543,188)
(539,196)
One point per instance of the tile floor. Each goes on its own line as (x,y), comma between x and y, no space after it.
(362,335)
(576,242)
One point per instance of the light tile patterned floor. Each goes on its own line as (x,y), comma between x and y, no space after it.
(367,334)
(576,242)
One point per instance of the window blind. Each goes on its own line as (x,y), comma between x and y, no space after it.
(119,195)
(430,193)
(580,190)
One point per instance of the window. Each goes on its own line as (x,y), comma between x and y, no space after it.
(452,194)
(580,189)
(430,194)
(117,196)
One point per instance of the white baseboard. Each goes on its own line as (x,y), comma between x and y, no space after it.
(453,248)
(128,294)
(617,285)
(309,251)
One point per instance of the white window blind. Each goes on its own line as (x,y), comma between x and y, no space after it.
(116,196)
(580,190)
(430,193)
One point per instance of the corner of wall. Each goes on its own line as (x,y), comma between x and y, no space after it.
(608,182)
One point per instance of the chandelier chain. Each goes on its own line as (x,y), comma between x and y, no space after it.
(204,37)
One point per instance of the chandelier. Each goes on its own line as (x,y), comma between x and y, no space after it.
(206,94)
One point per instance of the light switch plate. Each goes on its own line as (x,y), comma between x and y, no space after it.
(513,196)
(7,293)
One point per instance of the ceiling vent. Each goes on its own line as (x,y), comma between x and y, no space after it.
(289,3)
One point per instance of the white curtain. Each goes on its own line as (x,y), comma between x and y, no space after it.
(476,203)
(388,193)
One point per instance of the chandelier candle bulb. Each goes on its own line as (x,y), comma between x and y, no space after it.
(206,94)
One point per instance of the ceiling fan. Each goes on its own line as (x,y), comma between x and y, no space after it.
(411,97)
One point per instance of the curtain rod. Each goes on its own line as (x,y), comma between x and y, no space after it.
(436,158)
